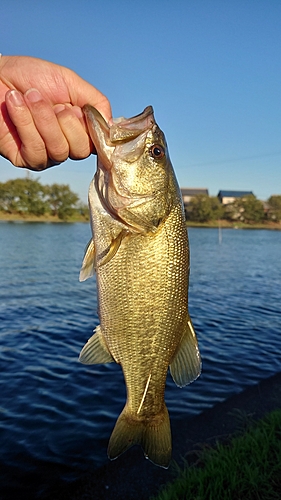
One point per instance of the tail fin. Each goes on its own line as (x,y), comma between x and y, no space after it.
(153,435)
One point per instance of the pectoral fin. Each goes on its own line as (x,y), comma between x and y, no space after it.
(114,247)
(88,264)
(186,363)
(95,351)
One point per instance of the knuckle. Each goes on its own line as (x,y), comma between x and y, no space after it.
(59,152)
(67,119)
(79,151)
(35,159)
(42,113)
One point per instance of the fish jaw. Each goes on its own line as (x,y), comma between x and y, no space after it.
(121,129)
(100,134)
(105,137)
(132,183)
(124,129)
(124,138)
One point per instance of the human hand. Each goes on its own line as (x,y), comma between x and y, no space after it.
(41,121)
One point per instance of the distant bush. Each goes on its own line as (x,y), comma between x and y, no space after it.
(203,208)
(247,209)
(274,208)
(29,196)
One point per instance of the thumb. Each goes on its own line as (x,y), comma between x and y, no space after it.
(81,92)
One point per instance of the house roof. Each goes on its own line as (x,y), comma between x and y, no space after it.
(194,191)
(234,194)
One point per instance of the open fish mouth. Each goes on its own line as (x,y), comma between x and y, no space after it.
(126,129)
(124,141)
(122,129)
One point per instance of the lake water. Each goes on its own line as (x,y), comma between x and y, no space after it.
(56,414)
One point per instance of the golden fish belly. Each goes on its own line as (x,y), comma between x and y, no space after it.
(143,307)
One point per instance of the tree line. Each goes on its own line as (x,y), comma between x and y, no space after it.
(249,209)
(28,196)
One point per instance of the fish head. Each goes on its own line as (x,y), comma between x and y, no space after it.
(134,180)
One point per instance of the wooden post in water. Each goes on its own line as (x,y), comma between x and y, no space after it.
(220,233)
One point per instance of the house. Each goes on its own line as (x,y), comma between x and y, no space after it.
(188,193)
(227,197)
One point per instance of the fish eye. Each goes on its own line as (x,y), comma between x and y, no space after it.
(157,151)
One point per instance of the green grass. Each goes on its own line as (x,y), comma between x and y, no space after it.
(248,468)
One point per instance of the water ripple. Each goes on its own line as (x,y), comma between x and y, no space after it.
(53,408)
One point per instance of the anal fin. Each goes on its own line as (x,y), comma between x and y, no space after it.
(95,351)
(186,363)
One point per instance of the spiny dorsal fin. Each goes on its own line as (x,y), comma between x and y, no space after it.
(88,264)
(186,363)
(95,351)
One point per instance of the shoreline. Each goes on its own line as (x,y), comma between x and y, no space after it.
(131,476)
(223,224)
(49,219)
(219,224)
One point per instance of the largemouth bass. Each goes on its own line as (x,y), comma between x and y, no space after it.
(140,254)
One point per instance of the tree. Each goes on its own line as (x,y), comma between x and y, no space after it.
(29,196)
(61,200)
(247,209)
(274,203)
(83,209)
(203,208)
(23,195)
(32,196)
(8,197)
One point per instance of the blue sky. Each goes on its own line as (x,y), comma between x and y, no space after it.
(211,70)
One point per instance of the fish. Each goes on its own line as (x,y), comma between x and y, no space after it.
(140,254)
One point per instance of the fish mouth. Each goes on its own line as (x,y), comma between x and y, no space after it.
(122,130)
(125,137)
(126,129)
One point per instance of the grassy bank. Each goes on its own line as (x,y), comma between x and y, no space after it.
(248,468)
(76,217)
(235,225)
(4,216)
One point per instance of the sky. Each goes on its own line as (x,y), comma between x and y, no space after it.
(210,69)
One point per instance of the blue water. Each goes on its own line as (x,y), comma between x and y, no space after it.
(55,412)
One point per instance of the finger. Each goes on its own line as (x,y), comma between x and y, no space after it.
(28,148)
(47,125)
(70,120)
(103,106)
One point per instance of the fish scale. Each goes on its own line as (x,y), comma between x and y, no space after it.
(141,256)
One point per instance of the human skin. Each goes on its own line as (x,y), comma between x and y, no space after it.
(41,121)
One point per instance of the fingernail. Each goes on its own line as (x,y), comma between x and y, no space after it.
(77,111)
(16,98)
(33,95)
(58,108)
